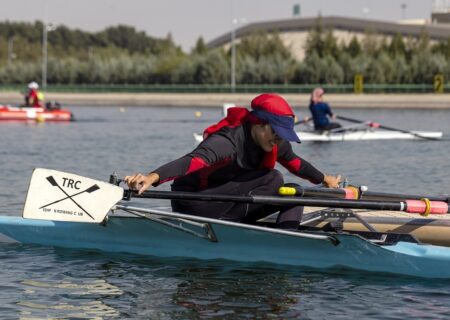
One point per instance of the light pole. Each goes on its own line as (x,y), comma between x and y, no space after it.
(11,54)
(46,28)
(233,52)
(403,6)
(233,57)
(365,12)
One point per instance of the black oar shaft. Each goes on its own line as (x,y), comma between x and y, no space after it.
(365,195)
(368,195)
(276,200)
(180,195)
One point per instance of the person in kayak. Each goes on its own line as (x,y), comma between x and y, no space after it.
(34,98)
(321,112)
(237,157)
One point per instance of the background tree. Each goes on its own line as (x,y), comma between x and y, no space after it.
(200,47)
(123,55)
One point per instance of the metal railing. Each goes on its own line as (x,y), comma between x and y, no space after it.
(240,88)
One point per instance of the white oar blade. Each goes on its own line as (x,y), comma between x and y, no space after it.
(62,196)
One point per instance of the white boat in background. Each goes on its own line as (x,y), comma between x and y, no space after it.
(359,131)
(357,135)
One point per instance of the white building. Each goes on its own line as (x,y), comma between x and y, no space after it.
(294,32)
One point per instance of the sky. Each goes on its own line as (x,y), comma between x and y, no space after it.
(187,20)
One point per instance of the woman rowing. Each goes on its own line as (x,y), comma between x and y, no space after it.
(321,112)
(237,157)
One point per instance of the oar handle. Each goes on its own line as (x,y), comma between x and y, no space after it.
(302,121)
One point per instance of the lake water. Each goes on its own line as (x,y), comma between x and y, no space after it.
(42,282)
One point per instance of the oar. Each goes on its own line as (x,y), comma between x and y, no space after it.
(377,125)
(411,206)
(302,121)
(352,192)
(46,187)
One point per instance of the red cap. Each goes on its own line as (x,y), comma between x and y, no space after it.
(272,103)
(276,111)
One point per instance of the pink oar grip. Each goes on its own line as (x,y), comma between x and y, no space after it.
(419,206)
(351,193)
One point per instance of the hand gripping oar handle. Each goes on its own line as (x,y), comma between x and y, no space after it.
(352,192)
(411,206)
(387,128)
(302,121)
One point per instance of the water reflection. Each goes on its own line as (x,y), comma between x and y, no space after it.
(87,310)
(184,288)
(67,299)
(92,285)
(217,292)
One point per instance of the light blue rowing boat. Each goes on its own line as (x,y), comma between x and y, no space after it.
(70,211)
(164,234)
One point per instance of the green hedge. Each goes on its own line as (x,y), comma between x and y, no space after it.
(194,88)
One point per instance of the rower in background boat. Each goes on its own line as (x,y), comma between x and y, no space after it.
(237,157)
(321,112)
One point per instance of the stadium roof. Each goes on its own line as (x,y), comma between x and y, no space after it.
(435,31)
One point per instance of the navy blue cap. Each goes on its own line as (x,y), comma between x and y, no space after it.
(281,124)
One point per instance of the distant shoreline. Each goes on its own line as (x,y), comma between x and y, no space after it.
(415,101)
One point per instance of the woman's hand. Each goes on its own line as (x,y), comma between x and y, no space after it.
(140,182)
(331,181)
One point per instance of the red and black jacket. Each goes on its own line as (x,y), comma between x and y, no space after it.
(225,155)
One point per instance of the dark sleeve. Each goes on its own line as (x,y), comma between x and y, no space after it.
(328,109)
(214,149)
(296,165)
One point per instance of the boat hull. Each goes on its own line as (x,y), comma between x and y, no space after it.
(358,135)
(34,114)
(367,135)
(233,241)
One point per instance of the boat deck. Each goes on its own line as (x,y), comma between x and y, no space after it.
(434,229)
